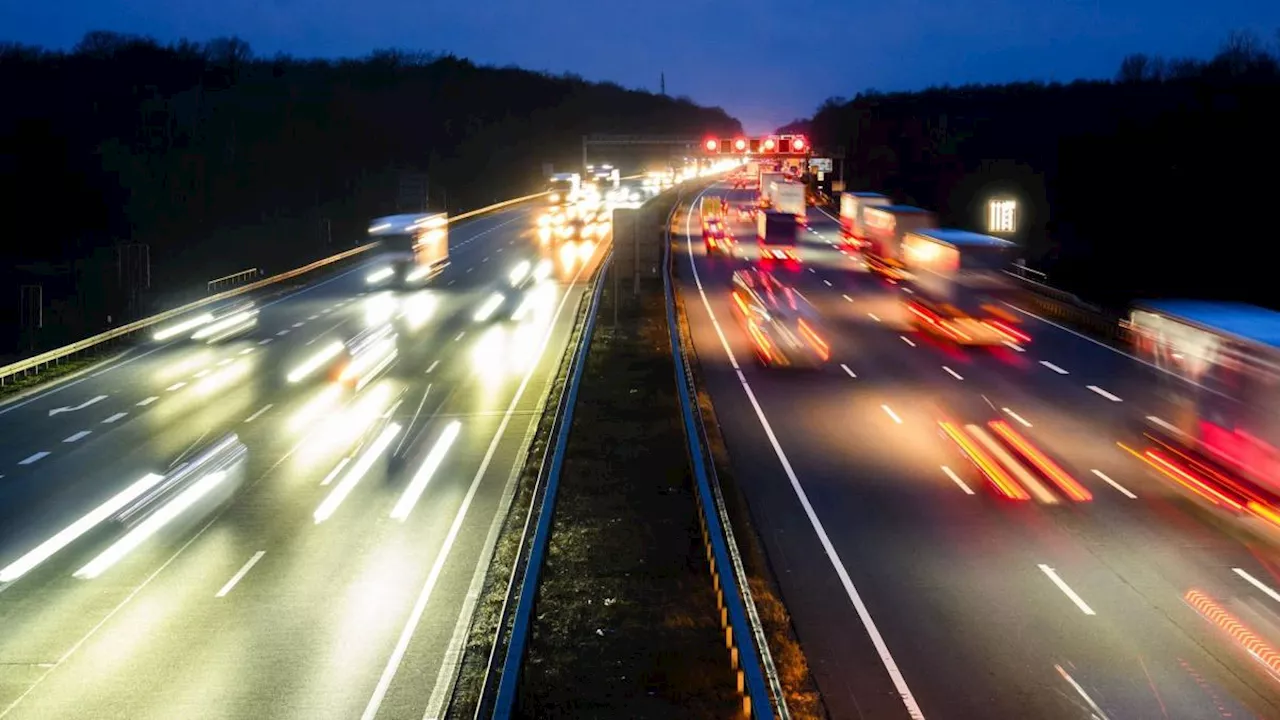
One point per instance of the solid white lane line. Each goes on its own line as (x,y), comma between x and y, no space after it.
(78,436)
(175,386)
(240,575)
(847,370)
(891,413)
(1122,489)
(953,373)
(873,317)
(1066,590)
(1097,711)
(37,457)
(258,414)
(148,401)
(1054,368)
(1257,583)
(907,340)
(956,479)
(1104,393)
(855,598)
(114,418)
(1021,420)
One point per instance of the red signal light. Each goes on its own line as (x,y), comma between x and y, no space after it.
(739,144)
(712,145)
(769,144)
(797,144)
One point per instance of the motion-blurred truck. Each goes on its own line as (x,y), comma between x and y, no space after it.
(776,235)
(852,205)
(788,197)
(768,177)
(886,226)
(414,249)
(958,283)
(562,188)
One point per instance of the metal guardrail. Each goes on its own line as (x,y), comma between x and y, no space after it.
(232,279)
(36,362)
(509,682)
(744,634)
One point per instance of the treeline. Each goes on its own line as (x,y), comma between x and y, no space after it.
(211,160)
(1157,183)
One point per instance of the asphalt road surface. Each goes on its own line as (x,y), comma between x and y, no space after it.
(916,590)
(247,606)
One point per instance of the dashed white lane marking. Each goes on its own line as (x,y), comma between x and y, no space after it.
(951,372)
(956,479)
(828,282)
(114,418)
(264,341)
(891,413)
(486,259)
(1014,346)
(434,363)
(246,351)
(501,249)
(815,272)
(1054,368)
(1122,489)
(37,457)
(312,317)
(451,282)
(148,401)
(1066,590)
(847,370)
(300,324)
(1097,711)
(847,298)
(1021,420)
(77,436)
(1104,393)
(258,414)
(470,269)
(175,386)
(1257,583)
(241,573)
(873,317)
(464,332)
(202,373)
(907,340)
(282,333)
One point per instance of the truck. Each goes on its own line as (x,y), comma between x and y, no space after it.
(562,188)
(788,197)
(414,248)
(1217,394)
(712,207)
(776,235)
(768,177)
(852,227)
(958,284)
(886,226)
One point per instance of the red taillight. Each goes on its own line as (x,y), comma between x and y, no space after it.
(1013,335)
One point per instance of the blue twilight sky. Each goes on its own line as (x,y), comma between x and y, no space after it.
(764,62)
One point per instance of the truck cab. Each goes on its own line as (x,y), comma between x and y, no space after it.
(414,248)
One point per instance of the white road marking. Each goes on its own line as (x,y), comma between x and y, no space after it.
(240,575)
(847,298)
(1097,711)
(246,351)
(1021,420)
(873,317)
(282,333)
(176,386)
(148,401)
(1104,393)
(464,332)
(258,414)
(225,362)
(114,418)
(828,282)
(847,370)
(951,372)
(855,598)
(312,317)
(37,457)
(1257,583)
(1123,490)
(1066,590)
(891,413)
(486,259)
(433,365)
(956,479)
(81,406)
(77,436)
(202,373)
(470,269)
(813,271)
(1165,424)
(264,341)
(334,472)
(1014,347)
(1054,368)
(299,324)
(907,340)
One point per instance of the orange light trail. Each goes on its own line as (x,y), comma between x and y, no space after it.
(1246,638)
(989,467)
(1068,484)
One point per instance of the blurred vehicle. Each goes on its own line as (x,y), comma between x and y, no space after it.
(716,237)
(776,235)
(227,323)
(957,284)
(852,205)
(783,327)
(222,461)
(885,227)
(788,197)
(1221,364)
(509,303)
(370,353)
(563,188)
(414,249)
(767,178)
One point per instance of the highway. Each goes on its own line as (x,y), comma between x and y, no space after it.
(916,590)
(289,599)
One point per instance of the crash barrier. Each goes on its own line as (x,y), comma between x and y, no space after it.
(1068,308)
(744,635)
(36,363)
(227,281)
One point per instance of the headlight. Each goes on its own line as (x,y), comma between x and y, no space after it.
(555,197)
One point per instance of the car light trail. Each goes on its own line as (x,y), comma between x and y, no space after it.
(1011,463)
(150,526)
(229,324)
(182,327)
(67,535)
(1049,468)
(357,473)
(429,466)
(489,307)
(985,464)
(316,361)
(379,275)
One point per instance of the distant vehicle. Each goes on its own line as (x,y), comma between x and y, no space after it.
(767,178)
(852,205)
(957,283)
(788,197)
(563,188)
(716,237)
(783,327)
(776,235)
(414,249)
(1221,364)
(885,227)
(510,303)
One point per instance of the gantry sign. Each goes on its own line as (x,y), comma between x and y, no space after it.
(688,145)
(776,145)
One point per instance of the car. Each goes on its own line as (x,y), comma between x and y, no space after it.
(784,329)
(512,302)
(716,237)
